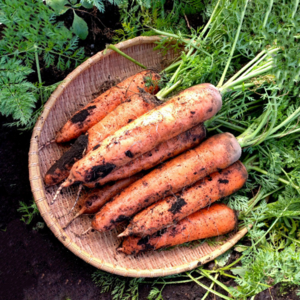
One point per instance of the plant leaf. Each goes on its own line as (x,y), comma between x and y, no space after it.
(79,27)
(58,5)
(86,4)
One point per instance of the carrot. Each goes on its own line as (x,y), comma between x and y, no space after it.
(61,169)
(97,109)
(174,208)
(91,202)
(131,109)
(217,152)
(205,223)
(184,111)
(172,147)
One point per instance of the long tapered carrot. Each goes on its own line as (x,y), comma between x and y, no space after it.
(134,107)
(189,108)
(91,202)
(201,194)
(215,220)
(217,152)
(97,109)
(166,150)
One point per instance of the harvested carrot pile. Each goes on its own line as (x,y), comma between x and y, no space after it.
(150,163)
(121,153)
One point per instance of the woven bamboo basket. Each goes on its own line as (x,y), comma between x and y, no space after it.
(99,249)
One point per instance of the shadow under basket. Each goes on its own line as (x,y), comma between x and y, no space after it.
(99,249)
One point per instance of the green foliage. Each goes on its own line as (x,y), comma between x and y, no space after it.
(121,288)
(28,211)
(30,27)
(268,266)
(31,35)
(99,4)
(79,26)
(138,17)
(17,95)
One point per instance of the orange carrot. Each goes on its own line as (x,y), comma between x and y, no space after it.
(134,107)
(184,111)
(97,109)
(217,152)
(92,201)
(174,208)
(178,144)
(205,223)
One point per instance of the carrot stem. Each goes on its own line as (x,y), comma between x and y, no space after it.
(207,288)
(38,70)
(163,93)
(233,46)
(210,19)
(211,286)
(173,282)
(206,274)
(268,13)
(248,65)
(114,48)
(275,176)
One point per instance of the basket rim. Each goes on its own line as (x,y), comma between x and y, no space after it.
(38,189)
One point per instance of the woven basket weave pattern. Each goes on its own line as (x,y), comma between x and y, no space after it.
(99,249)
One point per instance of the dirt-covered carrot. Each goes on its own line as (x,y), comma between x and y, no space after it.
(178,144)
(201,194)
(217,152)
(93,200)
(189,108)
(97,109)
(61,169)
(131,109)
(215,220)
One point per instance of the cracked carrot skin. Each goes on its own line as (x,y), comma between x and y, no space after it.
(178,144)
(217,152)
(184,111)
(174,208)
(215,220)
(134,107)
(98,108)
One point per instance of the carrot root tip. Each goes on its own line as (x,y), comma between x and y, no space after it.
(56,194)
(78,214)
(65,184)
(124,233)
(77,197)
(79,235)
